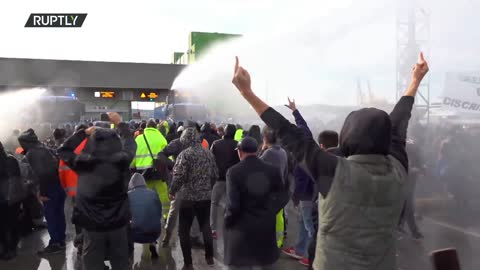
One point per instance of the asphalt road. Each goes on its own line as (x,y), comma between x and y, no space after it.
(440,230)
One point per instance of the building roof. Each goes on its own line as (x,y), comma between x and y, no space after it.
(68,73)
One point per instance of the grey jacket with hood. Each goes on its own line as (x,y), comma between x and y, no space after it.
(195,169)
(362,193)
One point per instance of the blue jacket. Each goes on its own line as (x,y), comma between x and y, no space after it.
(145,206)
(304,184)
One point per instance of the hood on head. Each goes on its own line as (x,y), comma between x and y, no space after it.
(366,132)
(230,131)
(28,139)
(104,143)
(189,137)
(59,133)
(136,181)
(190,124)
(206,128)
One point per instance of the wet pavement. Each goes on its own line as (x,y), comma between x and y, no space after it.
(441,231)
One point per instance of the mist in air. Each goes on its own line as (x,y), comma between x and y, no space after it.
(15,107)
(319,55)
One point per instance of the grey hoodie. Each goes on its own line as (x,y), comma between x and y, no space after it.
(145,206)
(136,181)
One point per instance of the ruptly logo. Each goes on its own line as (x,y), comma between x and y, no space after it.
(56,20)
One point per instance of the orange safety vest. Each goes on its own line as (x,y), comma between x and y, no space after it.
(68,178)
(205,144)
(19,150)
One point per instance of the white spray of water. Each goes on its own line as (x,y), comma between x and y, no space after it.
(316,56)
(13,108)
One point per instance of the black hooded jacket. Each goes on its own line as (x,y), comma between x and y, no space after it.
(366,131)
(43,163)
(208,134)
(103,175)
(173,134)
(224,151)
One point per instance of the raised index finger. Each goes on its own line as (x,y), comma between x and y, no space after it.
(421,59)
(236,64)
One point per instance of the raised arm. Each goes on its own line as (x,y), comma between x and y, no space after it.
(66,152)
(402,112)
(301,123)
(319,164)
(129,144)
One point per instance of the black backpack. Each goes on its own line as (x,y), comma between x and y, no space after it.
(17,187)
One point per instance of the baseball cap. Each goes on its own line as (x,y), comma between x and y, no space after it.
(247,145)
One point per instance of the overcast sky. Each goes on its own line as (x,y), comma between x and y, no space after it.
(150,31)
(138,31)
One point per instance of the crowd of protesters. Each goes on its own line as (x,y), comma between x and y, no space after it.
(353,190)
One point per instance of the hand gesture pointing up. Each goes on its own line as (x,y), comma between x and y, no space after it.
(241,79)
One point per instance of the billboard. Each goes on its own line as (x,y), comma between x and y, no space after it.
(462,92)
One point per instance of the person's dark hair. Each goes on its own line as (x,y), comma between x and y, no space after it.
(104,117)
(213,127)
(157,121)
(173,129)
(90,124)
(269,135)
(328,138)
(143,125)
(80,127)
(151,123)
(59,133)
(255,133)
(205,128)
(230,131)
(220,130)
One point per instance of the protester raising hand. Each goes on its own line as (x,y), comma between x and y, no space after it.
(419,70)
(89,131)
(241,79)
(114,117)
(291,105)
